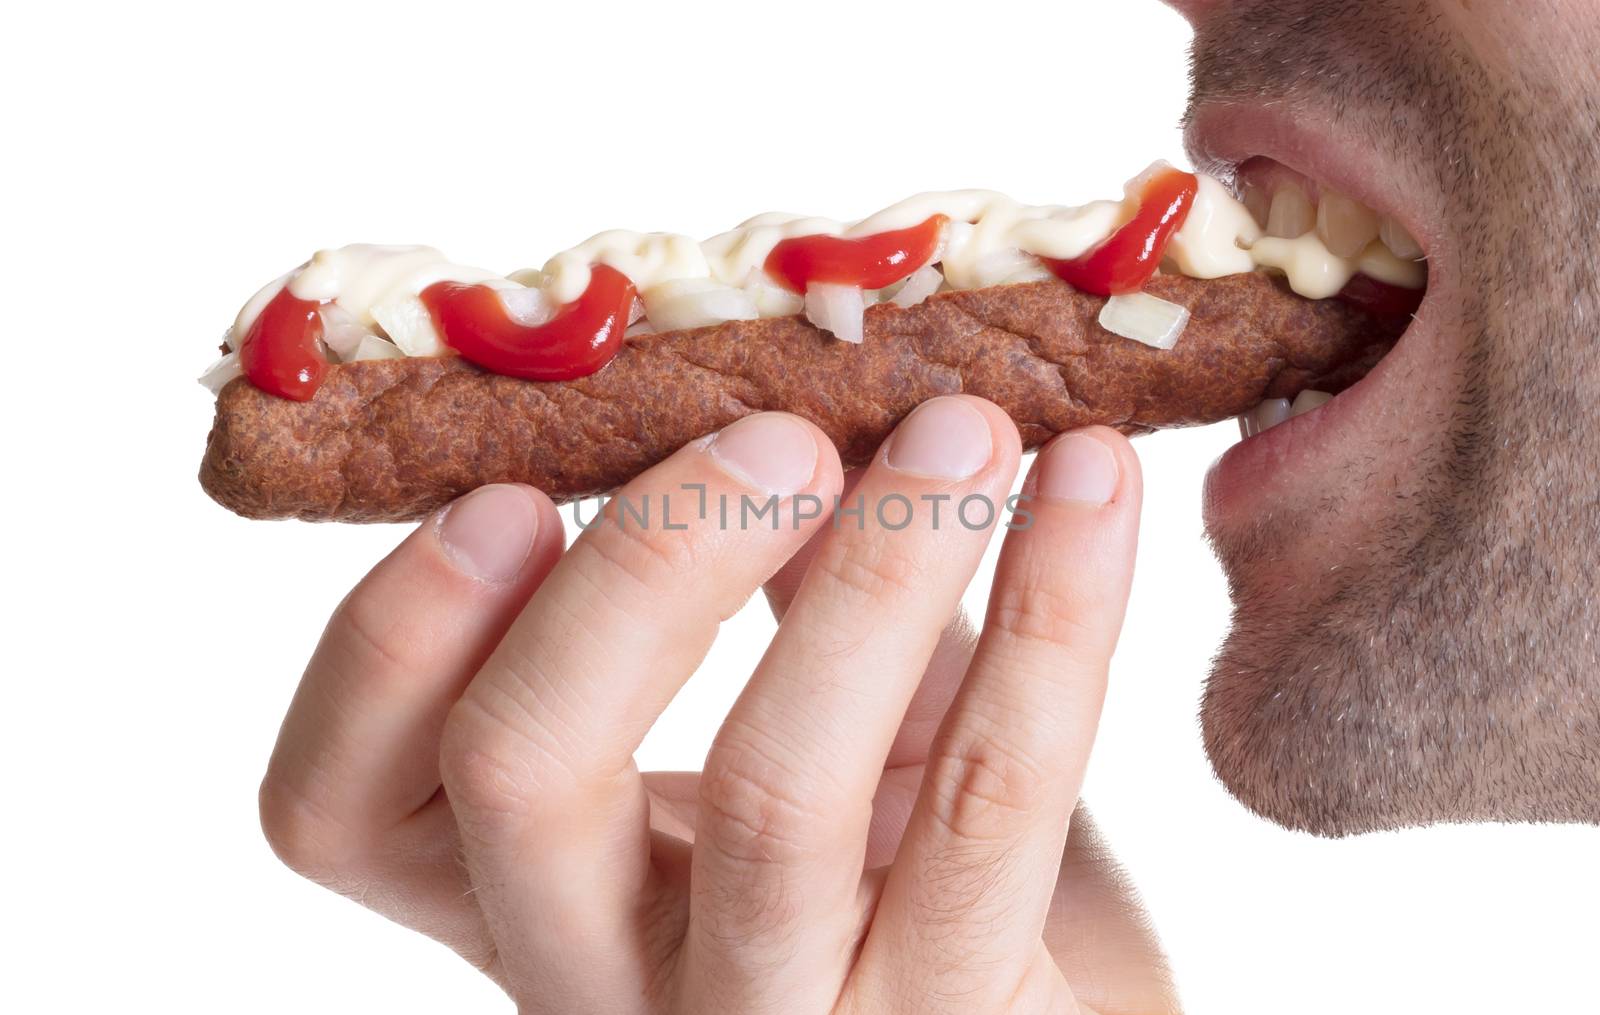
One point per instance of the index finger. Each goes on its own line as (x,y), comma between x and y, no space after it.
(537,756)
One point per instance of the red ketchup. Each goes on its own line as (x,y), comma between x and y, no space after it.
(282,352)
(580,339)
(1124,262)
(869,262)
(1380,298)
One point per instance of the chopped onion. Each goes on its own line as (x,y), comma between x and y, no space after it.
(528,307)
(373,347)
(922,283)
(956,237)
(696,303)
(771,299)
(342,333)
(635,311)
(407,323)
(1003,267)
(943,243)
(638,329)
(218,374)
(840,309)
(1144,318)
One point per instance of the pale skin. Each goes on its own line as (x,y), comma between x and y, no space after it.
(885,821)
(888,820)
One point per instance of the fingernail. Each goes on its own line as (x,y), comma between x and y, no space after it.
(944,438)
(488,533)
(770,451)
(1077,468)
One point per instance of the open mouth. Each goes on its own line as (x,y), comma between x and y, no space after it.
(1307,187)
(1296,210)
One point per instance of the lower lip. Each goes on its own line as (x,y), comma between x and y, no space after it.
(1260,469)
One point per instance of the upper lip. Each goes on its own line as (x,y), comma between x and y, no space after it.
(1220,136)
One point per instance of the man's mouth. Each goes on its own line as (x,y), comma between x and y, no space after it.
(1291,206)
(1303,182)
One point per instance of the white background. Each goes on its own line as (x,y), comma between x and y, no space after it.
(164,162)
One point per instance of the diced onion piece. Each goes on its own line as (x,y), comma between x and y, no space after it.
(957,235)
(696,303)
(373,347)
(924,282)
(771,299)
(341,332)
(528,307)
(1145,318)
(638,329)
(218,374)
(838,308)
(1003,267)
(408,325)
(635,311)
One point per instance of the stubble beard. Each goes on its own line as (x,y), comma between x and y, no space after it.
(1445,666)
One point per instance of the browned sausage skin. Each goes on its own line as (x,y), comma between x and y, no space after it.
(390,440)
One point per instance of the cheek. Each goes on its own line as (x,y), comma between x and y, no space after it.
(1504,37)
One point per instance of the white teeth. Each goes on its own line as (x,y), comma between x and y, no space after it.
(1274,411)
(1292,215)
(1346,226)
(1264,417)
(1400,243)
(1308,400)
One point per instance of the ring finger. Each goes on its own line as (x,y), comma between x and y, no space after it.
(964,907)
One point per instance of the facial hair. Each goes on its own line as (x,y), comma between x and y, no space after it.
(1446,668)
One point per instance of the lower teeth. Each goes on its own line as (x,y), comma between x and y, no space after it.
(1274,411)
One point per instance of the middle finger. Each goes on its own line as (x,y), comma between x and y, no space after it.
(786,797)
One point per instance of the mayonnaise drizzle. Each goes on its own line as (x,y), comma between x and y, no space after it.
(992,239)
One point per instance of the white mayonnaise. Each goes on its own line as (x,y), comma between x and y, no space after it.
(1216,237)
(992,240)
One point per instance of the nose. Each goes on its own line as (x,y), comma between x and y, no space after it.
(1194,10)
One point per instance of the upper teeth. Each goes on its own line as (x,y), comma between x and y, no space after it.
(1345,226)
(1399,242)
(1292,213)
(1274,411)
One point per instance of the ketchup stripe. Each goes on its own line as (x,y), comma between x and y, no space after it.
(866,262)
(580,339)
(1127,259)
(282,352)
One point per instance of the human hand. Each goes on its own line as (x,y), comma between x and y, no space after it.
(459,755)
